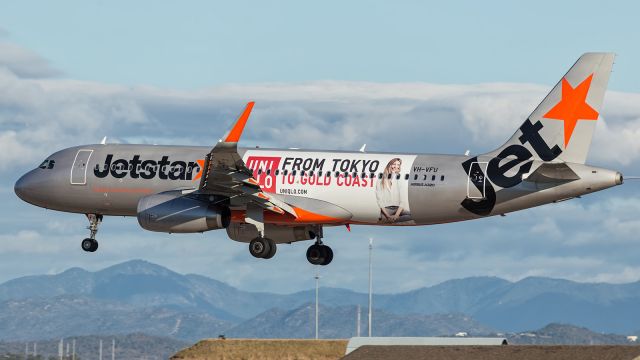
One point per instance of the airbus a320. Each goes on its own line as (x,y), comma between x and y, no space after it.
(267,197)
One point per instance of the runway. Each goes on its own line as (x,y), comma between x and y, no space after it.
(506,352)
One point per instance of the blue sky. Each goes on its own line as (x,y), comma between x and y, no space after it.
(194,44)
(335,74)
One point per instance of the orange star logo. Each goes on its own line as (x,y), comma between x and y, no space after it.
(199,174)
(573,107)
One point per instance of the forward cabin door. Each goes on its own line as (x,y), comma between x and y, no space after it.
(477,180)
(79,168)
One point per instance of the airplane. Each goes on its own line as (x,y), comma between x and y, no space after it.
(267,197)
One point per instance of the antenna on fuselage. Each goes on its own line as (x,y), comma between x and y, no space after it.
(363,147)
(104,140)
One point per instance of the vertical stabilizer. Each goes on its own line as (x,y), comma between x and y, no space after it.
(562,126)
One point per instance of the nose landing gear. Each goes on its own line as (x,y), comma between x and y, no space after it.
(90,244)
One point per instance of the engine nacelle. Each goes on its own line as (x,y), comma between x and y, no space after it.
(173,212)
(244,232)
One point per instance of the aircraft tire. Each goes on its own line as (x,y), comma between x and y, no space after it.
(328,255)
(260,247)
(272,249)
(315,254)
(89,245)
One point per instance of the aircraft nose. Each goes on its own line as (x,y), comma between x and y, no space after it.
(27,187)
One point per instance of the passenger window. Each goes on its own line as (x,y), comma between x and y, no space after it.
(379,175)
(277,172)
(320,173)
(433,178)
(293,172)
(310,173)
(442,178)
(373,175)
(355,175)
(389,176)
(398,177)
(268,171)
(286,171)
(259,171)
(406,176)
(364,175)
(415,177)
(337,174)
(302,173)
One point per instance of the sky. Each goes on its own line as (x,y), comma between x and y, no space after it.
(407,76)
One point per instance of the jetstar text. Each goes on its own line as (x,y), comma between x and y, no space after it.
(147,169)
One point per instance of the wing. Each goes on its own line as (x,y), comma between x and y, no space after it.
(225,173)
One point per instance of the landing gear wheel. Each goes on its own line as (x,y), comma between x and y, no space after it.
(319,254)
(273,249)
(315,254)
(260,247)
(328,256)
(89,245)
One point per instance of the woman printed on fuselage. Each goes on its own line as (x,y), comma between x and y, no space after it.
(393,206)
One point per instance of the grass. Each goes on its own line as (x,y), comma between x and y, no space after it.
(280,349)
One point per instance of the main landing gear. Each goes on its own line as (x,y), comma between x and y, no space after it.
(90,244)
(262,247)
(317,254)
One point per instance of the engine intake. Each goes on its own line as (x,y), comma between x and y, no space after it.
(172,212)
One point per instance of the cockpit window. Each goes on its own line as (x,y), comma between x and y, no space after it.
(47,164)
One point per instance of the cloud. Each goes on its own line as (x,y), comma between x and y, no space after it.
(592,239)
(39,115)
(22,62)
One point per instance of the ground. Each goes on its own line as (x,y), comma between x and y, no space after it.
(214,349)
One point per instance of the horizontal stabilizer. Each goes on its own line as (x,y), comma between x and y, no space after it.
(552,173)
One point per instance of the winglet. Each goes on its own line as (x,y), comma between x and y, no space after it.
(233,135)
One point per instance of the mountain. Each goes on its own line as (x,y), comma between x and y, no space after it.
(341,322)
(564,334)
(141,296)
(71,315)
(529,303)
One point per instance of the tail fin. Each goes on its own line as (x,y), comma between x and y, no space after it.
(561,127)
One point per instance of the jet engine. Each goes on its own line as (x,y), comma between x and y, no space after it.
(244,232)
(173,212)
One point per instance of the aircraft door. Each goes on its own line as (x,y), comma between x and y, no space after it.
(477,180)
(79,167)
